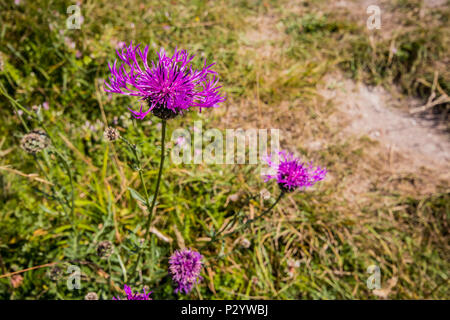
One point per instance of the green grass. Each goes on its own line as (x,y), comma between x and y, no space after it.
(334,240)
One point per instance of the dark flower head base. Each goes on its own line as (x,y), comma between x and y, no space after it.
(163,113)
(292,174)
(168,86)
(285,189)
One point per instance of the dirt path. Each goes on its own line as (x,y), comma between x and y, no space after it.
(376,113)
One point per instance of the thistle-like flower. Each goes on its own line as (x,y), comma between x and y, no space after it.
(169,86)
(134,296)
(35,141)
(292,174)
(185,267)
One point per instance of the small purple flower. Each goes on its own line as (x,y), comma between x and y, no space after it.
(169,86)
(185,267)
(134,296)
(292,174)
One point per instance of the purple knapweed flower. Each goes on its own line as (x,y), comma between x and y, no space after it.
(292,174)
(168,86)
(134,296)
(185,267)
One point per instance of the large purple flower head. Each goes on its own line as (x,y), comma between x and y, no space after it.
(185,267)
(292,174)
(168,86)
(134,296)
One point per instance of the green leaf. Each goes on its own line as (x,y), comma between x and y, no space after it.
(136,195)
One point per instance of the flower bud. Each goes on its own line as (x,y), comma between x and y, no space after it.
(111,134)
(35,141)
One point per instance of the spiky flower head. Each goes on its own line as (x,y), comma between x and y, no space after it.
(134,296)
(91,296)
(35,141)
(111,134)
(104,249)
(292,174)
(168,86)
(185,267)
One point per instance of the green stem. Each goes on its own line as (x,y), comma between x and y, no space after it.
(72,217)
(232,221)
(155,195)
(15,103)
(54,194)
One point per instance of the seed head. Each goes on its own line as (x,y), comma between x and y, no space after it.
(35,141)
(104,249)
(111,134)
(91,296)
(265,194)
(245,243)
(55,273)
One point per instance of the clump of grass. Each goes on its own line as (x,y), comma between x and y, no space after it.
(404,60)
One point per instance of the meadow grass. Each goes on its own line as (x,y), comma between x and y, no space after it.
(315,245)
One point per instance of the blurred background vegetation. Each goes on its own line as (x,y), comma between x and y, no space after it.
(272,57)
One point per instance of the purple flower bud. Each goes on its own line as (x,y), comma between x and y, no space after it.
(185,267)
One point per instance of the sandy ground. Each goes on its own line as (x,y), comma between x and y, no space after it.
(375,112)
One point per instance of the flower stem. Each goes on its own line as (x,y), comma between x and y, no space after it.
(155,195)
(73,219)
